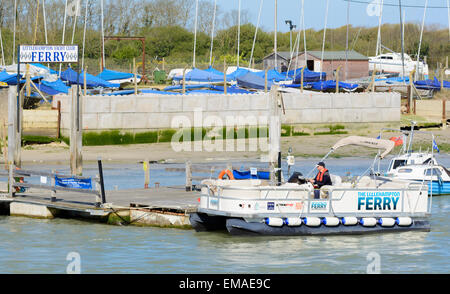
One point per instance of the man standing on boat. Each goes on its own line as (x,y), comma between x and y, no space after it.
(322,178)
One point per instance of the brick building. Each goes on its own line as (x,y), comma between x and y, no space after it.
(358,64)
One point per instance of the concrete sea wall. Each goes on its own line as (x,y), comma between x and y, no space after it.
(139,113)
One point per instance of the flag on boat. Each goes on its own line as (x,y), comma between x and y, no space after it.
(435,146)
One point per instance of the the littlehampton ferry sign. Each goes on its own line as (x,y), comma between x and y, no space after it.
(48,53)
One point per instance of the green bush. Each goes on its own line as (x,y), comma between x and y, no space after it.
(146,137)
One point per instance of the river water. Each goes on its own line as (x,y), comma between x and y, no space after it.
(49,246)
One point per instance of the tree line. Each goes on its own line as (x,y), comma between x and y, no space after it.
(168,26)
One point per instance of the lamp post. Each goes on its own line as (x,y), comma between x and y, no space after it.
(291,27)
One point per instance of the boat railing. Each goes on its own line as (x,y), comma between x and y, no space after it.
(307,200)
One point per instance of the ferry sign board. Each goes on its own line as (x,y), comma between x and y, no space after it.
(48,53)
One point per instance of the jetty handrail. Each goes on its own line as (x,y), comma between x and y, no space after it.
(95,186)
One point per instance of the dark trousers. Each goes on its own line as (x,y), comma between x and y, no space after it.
(316,194)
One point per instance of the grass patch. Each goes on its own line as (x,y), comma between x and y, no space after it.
(146,137)
(30,140)
(165,136)
(107,138)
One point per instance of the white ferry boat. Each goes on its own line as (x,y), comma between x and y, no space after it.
(369,204)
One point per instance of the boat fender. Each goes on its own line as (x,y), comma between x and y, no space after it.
(274,221)
(368,221)
(293,222)
(330,221)
(226,172)
(403,221)
(349,221)
(386,222)
(312,221)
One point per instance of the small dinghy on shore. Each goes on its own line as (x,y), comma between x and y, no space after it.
(369,204)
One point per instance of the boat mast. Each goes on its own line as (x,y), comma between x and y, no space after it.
(448,13)
(14,33)
(239,33)
(380,17)
(84,34)
(45,22)
(195,32)
(256,33)
(75,20)
(275,39)
(103,37)
(402,40)
(212,33)
(420,42)
(346,40)
(323,42)
(1,44)
(304,30)
(64,32)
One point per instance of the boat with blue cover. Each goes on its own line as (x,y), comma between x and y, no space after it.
(367,204)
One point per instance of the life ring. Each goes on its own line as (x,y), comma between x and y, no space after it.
(228,173)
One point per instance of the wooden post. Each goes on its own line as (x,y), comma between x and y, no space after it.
(4,144)
(28,80)
(408,101)
(373,77)
(135,76)
(184,81)
(225,76)
(442,78)
(302,77)
(58,127)
(52,183)
(410,90)
(188,176)
(15,118)
(337,78)
(163,64)
(414,101)
(444,114)
(146,167)
(265,80)
(101,182)
(76,131)
(274,129)
(11,179)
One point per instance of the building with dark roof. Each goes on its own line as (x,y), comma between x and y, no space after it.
(356,63)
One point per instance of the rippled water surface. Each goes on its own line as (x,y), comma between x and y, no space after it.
(42,246)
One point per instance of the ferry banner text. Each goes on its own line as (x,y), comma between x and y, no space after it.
(48,53)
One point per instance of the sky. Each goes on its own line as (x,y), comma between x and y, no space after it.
(337,17)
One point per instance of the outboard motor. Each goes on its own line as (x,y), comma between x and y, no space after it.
(298,178)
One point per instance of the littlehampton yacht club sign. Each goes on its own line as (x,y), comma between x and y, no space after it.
(48,53)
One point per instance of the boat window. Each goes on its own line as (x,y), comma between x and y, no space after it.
(389,57)
(435,172)
(399,163)
(447,171)
(405,170)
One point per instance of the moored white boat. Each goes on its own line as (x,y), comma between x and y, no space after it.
(370,204)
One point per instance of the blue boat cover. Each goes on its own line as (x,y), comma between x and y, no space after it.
(245,175)
(7,78)
(110,75)
(431,84)
(273,75)
(394,80)
(253,81)
(198,75)
(214,71)
(150,91)
(309,76)
(91,81)
(328,85)
(53,88)
(239,72)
